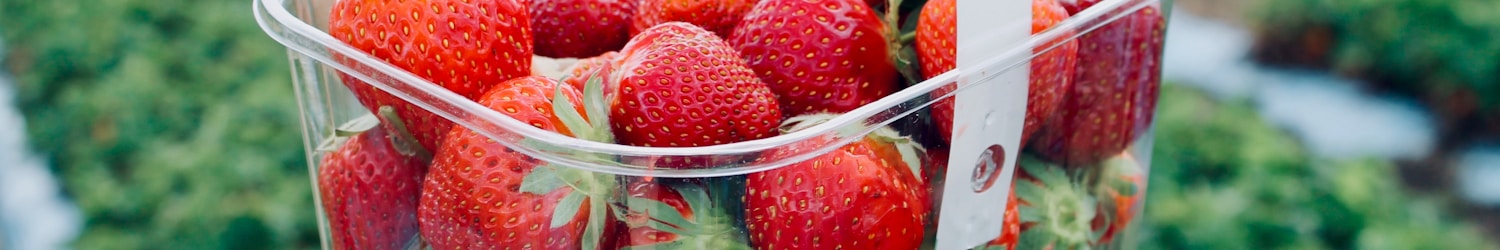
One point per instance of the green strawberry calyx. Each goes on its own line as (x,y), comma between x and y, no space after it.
(1057,206)
(593,187)
(912,153)
(347,130)
(901,55)
(709,228)
(400,138)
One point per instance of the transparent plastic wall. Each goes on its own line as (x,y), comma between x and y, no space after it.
(875,177)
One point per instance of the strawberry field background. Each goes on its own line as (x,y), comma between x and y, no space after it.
(171,125)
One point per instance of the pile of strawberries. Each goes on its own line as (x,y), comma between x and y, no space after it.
(685,73)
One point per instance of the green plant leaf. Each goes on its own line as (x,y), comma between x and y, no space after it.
(1050,175)
(696,198)
(356,126)
(661,212)
(332,143)
(796,123)
(582,180)
(593,104)
(912,154)
(567,208)
(664,227)
(595,228)
(1038,236)
(1031,192)
(542,180)
(676,244)
(563,107)
(1030,214)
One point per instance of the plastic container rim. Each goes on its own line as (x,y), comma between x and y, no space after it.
(1101,14)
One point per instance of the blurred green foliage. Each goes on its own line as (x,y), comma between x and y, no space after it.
(171,122)
(1423,46)
(1222,178)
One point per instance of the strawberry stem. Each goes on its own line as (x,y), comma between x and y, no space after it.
(900,55)
(908,37)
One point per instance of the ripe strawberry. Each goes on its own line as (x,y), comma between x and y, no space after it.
(580,28)
(862,195)
(370,190)
(1051,70)
(683,216)
(481,194)
(1123,187)
(679,85)
(463,46)
(1056,210)
(1114,95)
(718,16)
(1075,6)
(818,55)
(598,66)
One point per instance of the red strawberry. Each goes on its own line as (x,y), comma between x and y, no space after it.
(679,85)
(370,190)
(718,16)
(1123,187)
(1051,70)
(463,46)
(598,66)
(1114,96)
(1056,210)
(818,55)
(481,194)
(682,216)
(860,196)
(937,37)
(1075,6)
(580,28)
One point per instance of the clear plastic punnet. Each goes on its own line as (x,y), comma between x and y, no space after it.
(987,125)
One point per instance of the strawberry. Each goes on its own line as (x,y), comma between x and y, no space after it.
(369,190)
(481,194)
(683,216)
(1051,70)
(580,28)
(463,46)
(718,16)
(1123,187)
(1075,6)
(818,55)
(598,66)
(863,195)
(1114,95)
(679,86)
(1056,210)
